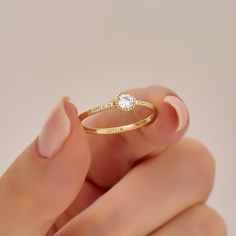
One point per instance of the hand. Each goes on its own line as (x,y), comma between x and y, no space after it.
(149,181)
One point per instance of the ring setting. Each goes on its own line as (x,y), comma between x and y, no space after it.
(126,102)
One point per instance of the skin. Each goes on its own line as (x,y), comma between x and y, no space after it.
(151,181)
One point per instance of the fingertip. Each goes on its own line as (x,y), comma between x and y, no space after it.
(173,118)
(55,131)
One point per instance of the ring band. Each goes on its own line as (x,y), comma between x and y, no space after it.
(124,101)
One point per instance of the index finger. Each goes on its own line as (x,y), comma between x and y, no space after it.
(113,155)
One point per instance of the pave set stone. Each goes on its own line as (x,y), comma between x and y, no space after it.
(124,101)
(144,104)
(103,107)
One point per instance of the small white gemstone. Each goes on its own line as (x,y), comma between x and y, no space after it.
(125,101)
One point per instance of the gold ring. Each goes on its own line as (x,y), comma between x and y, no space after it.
(124,101)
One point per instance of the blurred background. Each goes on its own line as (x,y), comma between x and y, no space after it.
(90,50)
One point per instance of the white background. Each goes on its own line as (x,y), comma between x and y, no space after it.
(90,50)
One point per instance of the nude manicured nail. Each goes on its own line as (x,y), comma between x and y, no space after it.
(180,109)
(55,131)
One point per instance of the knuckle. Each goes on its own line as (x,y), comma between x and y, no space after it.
(212,223)
(197,164)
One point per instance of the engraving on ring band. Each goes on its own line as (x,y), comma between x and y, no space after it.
(111,130)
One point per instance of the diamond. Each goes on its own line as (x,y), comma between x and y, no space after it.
(125,101)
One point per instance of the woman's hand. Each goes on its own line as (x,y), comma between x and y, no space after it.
(149,181)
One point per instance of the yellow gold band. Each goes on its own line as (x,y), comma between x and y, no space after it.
(124,101)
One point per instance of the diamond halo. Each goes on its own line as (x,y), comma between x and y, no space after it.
(125,101)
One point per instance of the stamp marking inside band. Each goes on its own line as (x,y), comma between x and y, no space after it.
(118,129)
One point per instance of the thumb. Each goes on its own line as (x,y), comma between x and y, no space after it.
(46,177)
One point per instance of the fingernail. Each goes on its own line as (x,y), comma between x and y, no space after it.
(180,109)
(56,129)
(70,108)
